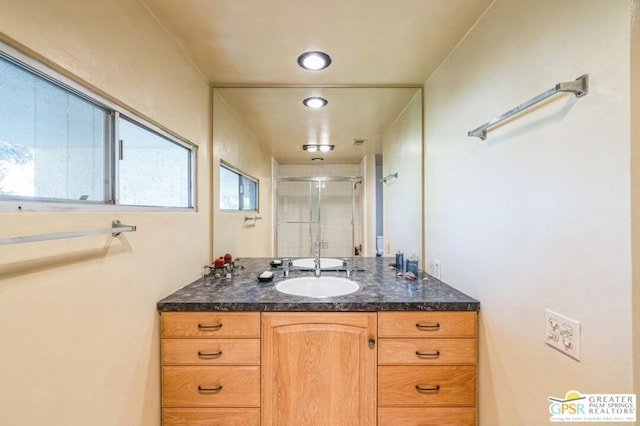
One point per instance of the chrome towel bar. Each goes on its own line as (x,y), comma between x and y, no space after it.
(116,229)
(579,87)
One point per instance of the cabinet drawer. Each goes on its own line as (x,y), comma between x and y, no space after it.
(426,386)
(211,386)
(427,416)
(211,416)
(211,324)
(211,351)
(427,324)
(427,351)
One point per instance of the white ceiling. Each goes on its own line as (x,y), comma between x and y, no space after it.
(371,42)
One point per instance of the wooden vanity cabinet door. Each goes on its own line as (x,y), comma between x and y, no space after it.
(318,369)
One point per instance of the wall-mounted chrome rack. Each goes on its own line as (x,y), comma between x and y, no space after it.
(579,87)
(255,218)
(389,177)
(116,229)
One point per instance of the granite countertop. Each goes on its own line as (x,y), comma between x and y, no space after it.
(381,290)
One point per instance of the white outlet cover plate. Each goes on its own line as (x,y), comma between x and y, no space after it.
(437,269)
(562,333)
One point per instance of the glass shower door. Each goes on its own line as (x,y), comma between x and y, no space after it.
(336,218)
(310,207)
(297,218)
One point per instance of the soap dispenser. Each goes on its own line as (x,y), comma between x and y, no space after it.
(400,261)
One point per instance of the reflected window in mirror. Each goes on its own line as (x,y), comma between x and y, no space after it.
(238,191)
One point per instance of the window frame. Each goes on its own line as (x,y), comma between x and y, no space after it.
(224,164)
(115,111)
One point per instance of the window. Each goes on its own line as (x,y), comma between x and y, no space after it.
(152,168)
(237,191)
(52,141)
(60,142)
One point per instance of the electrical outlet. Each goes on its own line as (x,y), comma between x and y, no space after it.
(562,333)
(437,269)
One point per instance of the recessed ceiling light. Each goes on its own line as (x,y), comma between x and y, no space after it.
(314,60)
(315,102)
(317,148)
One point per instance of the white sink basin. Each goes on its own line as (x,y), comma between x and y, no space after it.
(325,263)
(318,287)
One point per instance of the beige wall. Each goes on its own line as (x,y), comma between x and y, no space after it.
(538,215)
(402,208)
(368,168)
(78,324)
(635,184)
(238,147)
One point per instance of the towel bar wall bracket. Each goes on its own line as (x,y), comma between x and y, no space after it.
(579,87)
(126,228)
(389,177)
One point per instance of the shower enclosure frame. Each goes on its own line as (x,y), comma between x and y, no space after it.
(354,180)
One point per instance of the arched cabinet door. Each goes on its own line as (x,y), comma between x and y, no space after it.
(319,368)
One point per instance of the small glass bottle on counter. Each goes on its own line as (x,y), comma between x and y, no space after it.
(412,264)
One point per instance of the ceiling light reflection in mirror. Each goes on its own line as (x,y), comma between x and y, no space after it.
(315,102)
(281,123)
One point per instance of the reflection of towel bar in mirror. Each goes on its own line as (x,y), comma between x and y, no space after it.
(255,218)
(116,229)
(389,177)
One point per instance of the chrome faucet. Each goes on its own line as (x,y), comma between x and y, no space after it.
(348,267)
(317,258)
(287,267)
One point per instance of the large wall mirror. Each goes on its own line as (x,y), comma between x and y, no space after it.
(377,163)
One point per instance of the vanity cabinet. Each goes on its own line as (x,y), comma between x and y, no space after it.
(210,368)
(319,368)
(312,368)
(427,368)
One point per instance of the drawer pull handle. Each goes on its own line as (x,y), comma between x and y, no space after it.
(209,354)
(428,327)
(215,389)
(210,327)
(428,388)
(426,355)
